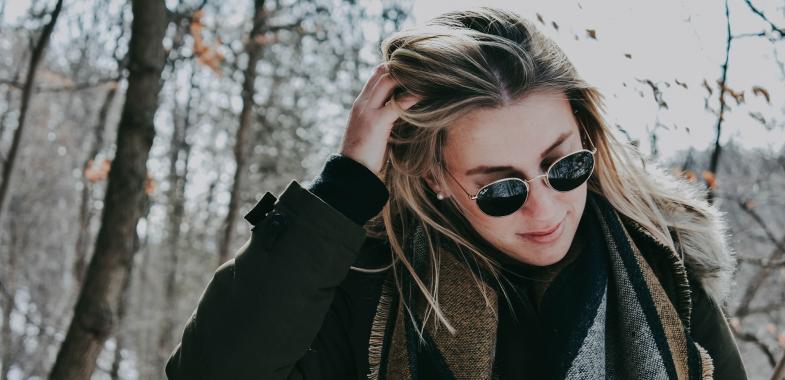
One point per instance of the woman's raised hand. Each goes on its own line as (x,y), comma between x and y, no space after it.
(371,120)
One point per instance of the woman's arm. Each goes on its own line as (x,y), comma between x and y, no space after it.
(711,330)
(260,314)
(262,309)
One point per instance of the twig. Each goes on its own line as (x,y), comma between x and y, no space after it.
(763,262)
(751,338)
(755,10)
(69,87)
(761,309)
(779,370)
(769,234)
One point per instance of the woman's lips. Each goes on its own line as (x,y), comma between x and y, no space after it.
(546,238)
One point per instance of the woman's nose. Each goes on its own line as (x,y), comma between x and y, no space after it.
(541,203)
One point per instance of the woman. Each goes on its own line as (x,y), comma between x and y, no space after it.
(480,222)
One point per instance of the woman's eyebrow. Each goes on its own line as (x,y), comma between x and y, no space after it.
(482,169)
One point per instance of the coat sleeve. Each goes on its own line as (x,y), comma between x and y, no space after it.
(711,330)
(264,313)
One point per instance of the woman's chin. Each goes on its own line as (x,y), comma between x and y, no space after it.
(546,260)
(542,258)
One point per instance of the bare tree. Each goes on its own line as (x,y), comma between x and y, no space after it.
(779,370)
(715,154)
(180,152)
(7,288)
(253,51)
(95,315)
(93,170)
(27,91)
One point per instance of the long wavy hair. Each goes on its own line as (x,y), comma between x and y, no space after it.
(462,61)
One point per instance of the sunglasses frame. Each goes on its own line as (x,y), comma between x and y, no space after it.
(592,151)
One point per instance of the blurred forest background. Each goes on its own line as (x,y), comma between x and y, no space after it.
(200,107)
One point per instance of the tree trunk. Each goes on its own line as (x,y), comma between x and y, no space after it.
(253,50)
(125,299)
(8,291)
(27,91)
(85,211)
(95,315)
(779,370)
(9,96)
(715,154)
(180,149)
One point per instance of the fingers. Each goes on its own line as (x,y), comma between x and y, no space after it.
(390,112)
(381,92)
(408,101)
(371,83)
(376,94)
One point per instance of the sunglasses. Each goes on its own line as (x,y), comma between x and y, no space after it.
(507,195)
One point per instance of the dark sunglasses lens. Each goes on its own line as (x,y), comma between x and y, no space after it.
(571,171)
(502,198)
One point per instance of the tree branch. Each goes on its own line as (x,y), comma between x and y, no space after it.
(769,234)
(758,12)
(69,87)
(751,338)
(763,262)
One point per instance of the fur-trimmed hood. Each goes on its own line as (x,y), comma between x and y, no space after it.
(706,249)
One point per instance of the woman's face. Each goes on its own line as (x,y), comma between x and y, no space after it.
(519,140)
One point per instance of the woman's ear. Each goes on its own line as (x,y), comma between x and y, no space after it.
(434,186)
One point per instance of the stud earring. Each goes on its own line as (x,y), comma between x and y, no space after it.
(439,196)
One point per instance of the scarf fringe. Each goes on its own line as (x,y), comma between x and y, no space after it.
(707,363)
(684,304)
(379,330)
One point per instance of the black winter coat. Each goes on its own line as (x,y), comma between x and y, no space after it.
(288,306)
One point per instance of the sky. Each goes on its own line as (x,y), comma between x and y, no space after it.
(667,40)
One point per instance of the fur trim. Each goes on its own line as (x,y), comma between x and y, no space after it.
(704,241)
(700,232)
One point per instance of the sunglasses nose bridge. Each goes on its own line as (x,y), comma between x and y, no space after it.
(529,186)
(530,180)
(529,190)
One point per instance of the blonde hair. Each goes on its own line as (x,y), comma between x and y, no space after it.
(462,61)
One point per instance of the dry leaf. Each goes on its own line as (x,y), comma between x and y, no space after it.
(97,173)
(149,185)
(710,179)
(707,87)
(738,96)
(205,54)
(757,90)
(689,175)
(680,83)
(591,33)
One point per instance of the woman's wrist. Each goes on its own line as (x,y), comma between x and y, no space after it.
(351,188)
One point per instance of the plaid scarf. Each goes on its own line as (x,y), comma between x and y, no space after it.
(607,316)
